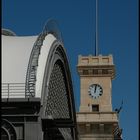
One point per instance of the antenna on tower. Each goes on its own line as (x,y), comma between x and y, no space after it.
(96,32)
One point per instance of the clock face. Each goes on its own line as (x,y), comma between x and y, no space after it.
(95,91)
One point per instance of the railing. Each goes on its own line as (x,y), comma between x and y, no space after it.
(13,90)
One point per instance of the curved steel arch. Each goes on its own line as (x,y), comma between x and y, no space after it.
(8,32)
(49,28)
(55,88)
(57,91)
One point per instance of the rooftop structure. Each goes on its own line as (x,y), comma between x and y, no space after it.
(37,92)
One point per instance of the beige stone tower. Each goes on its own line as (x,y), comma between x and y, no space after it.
(96,120)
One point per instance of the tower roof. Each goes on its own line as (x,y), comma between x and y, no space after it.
(96,66)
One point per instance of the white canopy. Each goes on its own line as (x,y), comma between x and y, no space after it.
(16,53)
(15,56)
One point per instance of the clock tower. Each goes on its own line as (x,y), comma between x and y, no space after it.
(96,120)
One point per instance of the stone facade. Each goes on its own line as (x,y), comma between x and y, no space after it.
(96,120)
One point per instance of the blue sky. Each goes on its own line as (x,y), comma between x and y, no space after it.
(118,35)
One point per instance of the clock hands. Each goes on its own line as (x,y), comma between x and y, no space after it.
(95,89)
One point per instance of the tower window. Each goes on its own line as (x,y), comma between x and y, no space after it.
(85,72)
(95,71)
(95,108)
(95,129)
(105,71)
(108,128)
(82,128)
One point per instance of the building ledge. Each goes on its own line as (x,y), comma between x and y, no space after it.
(96,136)
(93,117)
(16,106)
(4,100)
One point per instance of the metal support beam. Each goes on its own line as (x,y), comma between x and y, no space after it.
(57,123)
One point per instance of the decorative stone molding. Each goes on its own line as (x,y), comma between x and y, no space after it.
(96,66)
